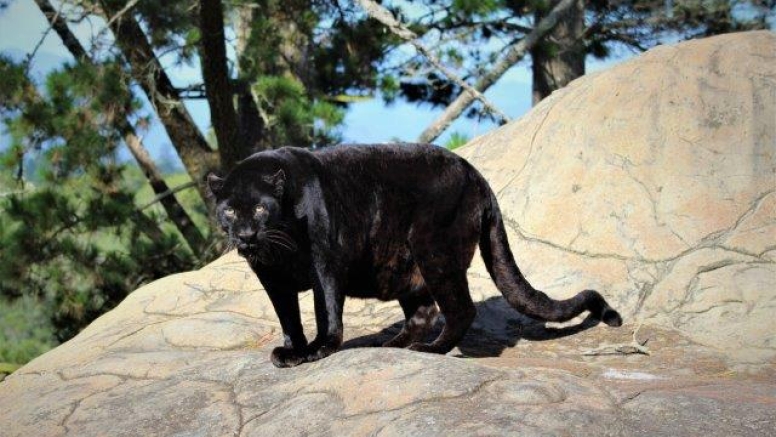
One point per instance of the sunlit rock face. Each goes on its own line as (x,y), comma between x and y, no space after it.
(655,182)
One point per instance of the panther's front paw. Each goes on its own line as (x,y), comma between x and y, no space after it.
(287,357)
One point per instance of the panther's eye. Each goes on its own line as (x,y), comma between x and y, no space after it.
(259,209)
(229,212)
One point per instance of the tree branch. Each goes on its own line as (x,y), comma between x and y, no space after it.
(170,192)
(52,17)
(164,194)
(131,4)
(384,16)
(514,54)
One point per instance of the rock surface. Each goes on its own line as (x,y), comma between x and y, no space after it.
(654,181)
(666,204)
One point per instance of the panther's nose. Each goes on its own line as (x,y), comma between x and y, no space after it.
(246,237)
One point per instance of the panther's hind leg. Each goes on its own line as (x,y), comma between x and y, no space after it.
(443,240)
(455,303)
(420,312)
(443,256)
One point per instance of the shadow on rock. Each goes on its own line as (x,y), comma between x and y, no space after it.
(496,328)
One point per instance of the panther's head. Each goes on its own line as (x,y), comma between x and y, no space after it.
(249,209)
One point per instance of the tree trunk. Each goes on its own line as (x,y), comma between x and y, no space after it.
(193,149)
(252,128)
(218,86)
(560,57)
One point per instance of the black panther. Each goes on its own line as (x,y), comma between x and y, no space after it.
(397,221)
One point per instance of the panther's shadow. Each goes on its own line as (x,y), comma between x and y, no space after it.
(496,328)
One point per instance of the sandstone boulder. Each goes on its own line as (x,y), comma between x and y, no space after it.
(653,182)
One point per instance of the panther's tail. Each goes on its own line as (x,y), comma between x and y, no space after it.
(501,265)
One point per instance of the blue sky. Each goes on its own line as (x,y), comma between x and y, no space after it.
(22,26)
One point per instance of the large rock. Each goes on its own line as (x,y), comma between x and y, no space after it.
(655,182)
(682,239)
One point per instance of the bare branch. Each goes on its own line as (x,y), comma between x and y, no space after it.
(159,197)
(53,17)
(131,4)
(514,54)
(384,16)
(193,91)
(634,347)
(110,21)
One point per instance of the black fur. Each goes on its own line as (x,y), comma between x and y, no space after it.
(388,222)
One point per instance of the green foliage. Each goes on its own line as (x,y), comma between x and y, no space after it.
(642,24)
(15,85)
(389,88)
(305,60)
(24,332)
(456,140)
(475,7)
(292,117)
(7,369)
(348,55)
(81,251)
(71,125)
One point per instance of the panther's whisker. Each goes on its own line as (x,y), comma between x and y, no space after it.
(290,245)
(280,243)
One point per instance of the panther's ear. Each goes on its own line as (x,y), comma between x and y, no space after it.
(215,184)
(278,180)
